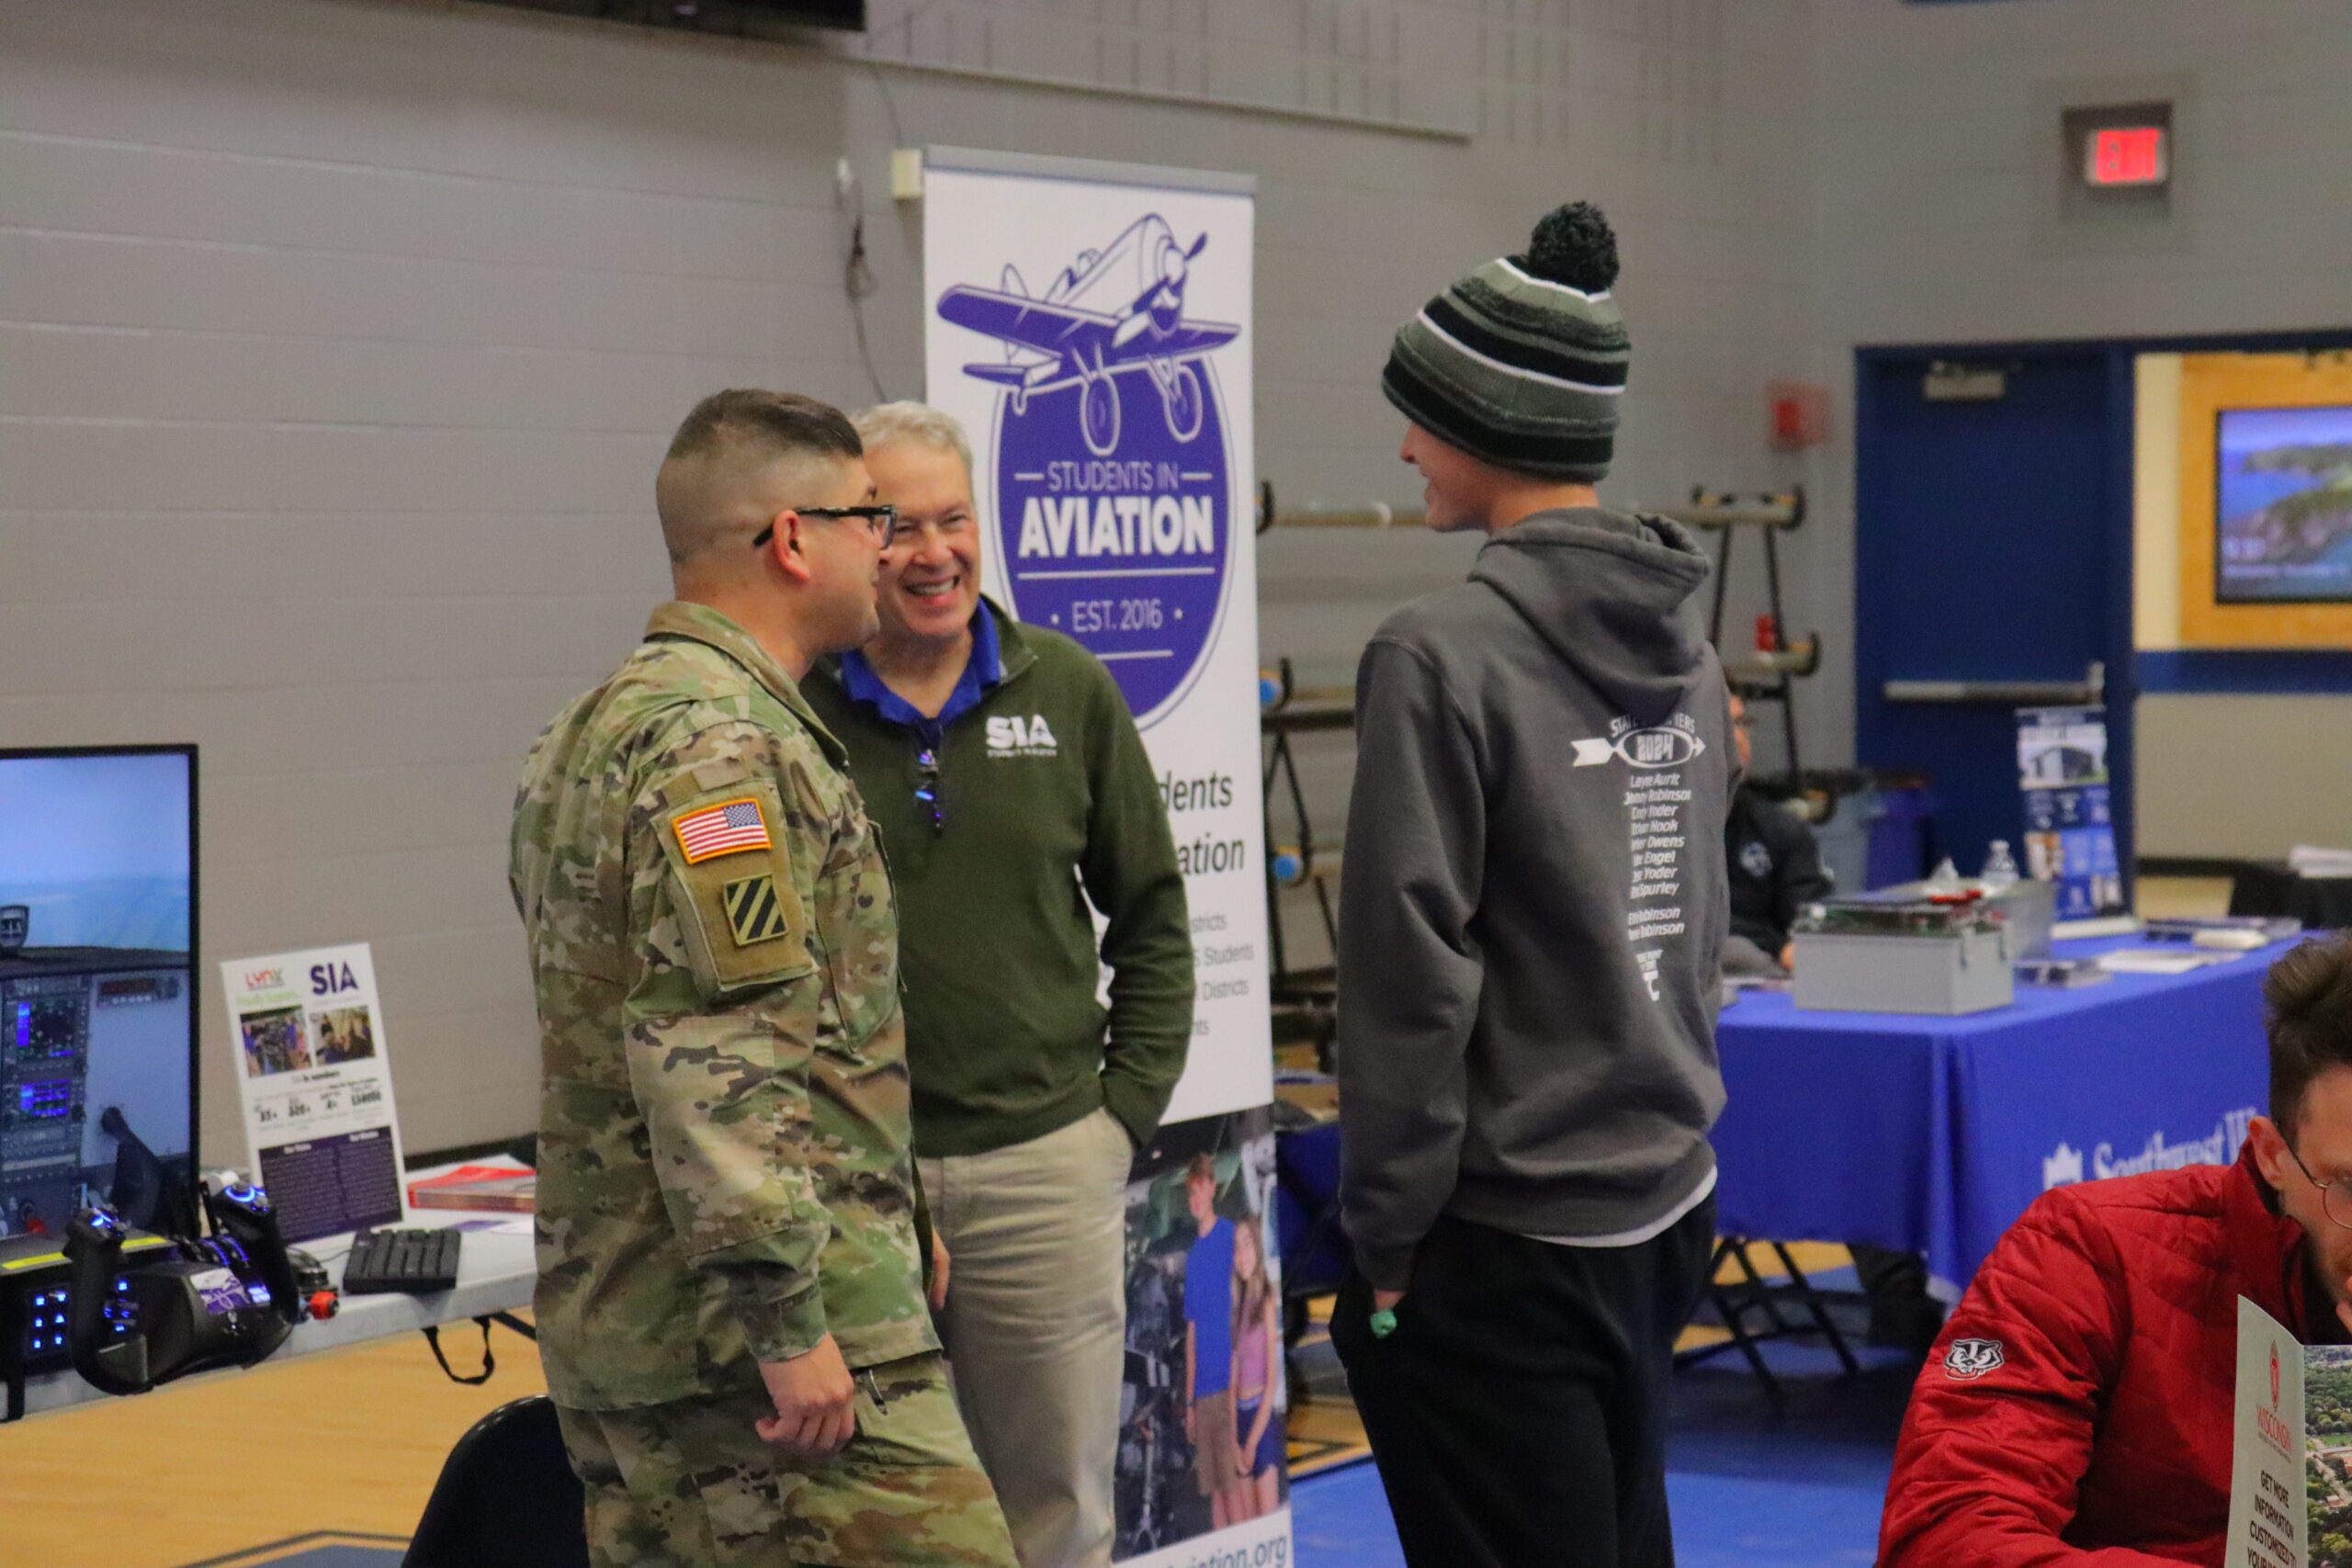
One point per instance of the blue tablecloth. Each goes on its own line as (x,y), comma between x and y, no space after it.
(1931,1134)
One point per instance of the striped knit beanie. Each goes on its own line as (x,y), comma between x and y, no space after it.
(1520,363)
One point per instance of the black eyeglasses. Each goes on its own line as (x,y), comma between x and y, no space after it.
(2330,1197)
(879,520)
(927,786)
(909,530)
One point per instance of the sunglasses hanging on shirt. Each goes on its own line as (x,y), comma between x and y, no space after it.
(927,786)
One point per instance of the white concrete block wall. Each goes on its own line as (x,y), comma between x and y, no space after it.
(1933,173)
(337,345)
(339,340)
(1933,164)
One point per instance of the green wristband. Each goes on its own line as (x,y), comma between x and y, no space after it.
(1383,1324)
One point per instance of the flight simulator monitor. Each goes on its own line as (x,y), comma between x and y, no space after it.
(97,993)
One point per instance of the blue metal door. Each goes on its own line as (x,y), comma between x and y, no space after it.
(1990,571)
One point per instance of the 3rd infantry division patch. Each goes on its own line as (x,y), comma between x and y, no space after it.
(752,913)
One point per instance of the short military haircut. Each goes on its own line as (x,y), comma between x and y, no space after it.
(918,425)
(730,436)
(2309,997)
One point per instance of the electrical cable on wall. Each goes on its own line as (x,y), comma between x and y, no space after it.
(857,269)
(857,282)
(889,104)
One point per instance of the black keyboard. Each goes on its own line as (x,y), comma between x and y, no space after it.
(415,1261)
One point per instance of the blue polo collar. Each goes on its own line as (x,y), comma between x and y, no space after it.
(983,673)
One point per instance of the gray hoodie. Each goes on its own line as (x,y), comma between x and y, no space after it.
(1534,897)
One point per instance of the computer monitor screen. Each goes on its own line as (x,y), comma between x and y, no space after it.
(2283,506)
(98,989)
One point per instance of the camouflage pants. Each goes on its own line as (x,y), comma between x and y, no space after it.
(690,1484)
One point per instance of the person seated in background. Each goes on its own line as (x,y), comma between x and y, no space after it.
(1774,863)
(2079,1406)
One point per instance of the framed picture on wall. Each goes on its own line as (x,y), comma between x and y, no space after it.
(2266,501)
(2282,506)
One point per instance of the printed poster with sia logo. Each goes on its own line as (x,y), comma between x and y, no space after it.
(316,1085)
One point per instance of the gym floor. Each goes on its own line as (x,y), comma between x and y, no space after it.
(325,1462)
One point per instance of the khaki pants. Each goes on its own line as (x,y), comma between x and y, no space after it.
(1036,1326)
(689,1484)
(1216,1447)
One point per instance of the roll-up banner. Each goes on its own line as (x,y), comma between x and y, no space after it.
(1090,324)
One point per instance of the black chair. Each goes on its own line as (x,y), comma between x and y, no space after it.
(506,1498)
(1733,1299)
(1306,1228)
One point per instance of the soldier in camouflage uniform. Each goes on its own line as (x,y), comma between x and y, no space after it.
(732,1304)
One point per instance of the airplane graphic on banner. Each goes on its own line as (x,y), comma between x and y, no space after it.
(1111,313)
(1117,532)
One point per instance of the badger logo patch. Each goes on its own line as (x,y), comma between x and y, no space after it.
(752,912)
(1967,1359)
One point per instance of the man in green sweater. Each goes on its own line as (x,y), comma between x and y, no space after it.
(1015,801)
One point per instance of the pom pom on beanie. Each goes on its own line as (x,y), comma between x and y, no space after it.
(1573,244)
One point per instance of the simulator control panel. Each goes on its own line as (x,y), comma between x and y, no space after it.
(84,1030)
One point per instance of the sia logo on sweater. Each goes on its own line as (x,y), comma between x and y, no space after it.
(1009,735)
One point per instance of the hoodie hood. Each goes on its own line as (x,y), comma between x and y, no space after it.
(1612,594)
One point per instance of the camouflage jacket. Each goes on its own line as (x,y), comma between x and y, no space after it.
(724,1165)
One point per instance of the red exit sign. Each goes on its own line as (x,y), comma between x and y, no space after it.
(2127,155)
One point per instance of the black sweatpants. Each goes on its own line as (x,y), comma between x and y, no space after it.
(1517,1412)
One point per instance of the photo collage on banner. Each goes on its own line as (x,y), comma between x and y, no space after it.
(1090,325)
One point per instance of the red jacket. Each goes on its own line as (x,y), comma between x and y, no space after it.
(2076,1412)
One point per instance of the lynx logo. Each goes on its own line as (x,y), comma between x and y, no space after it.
(264,979)
(1009,735)
(1968,1360)
(1668,745)
(1111,457)
(2061,1167)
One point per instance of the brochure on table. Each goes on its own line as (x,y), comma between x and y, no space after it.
(315,1080)
(2291,1481)
(2069,825)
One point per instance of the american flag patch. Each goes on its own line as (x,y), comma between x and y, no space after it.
(723,829)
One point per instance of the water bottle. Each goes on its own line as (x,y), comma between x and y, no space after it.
(2000,867)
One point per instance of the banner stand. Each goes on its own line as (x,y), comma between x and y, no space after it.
(1091,323)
